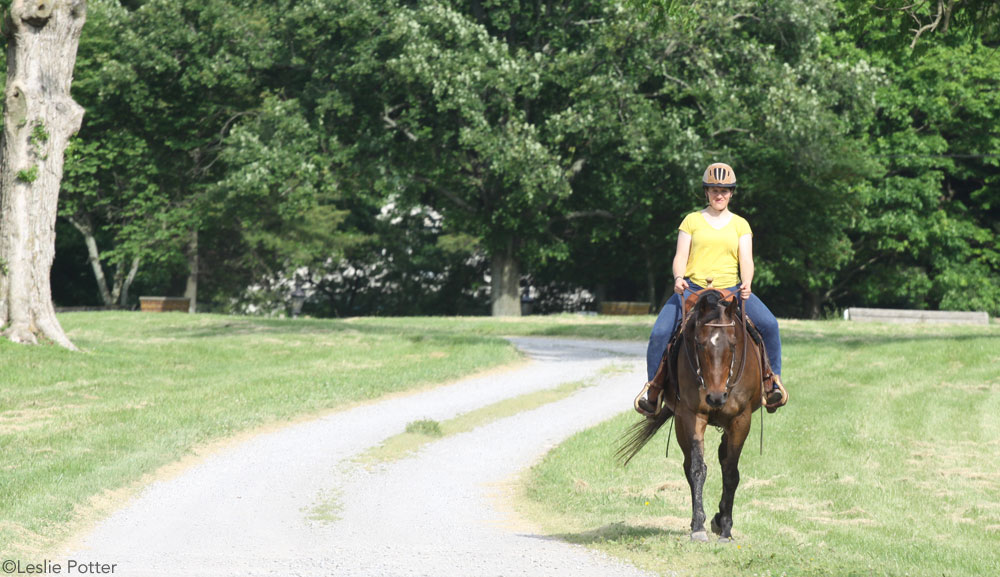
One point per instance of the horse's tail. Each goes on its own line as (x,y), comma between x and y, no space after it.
(636,437)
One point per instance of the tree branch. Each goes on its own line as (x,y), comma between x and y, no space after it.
(589,213)
(941,12)
(392,124)
(850,275)
(575,169)
(461,203)
(725,130)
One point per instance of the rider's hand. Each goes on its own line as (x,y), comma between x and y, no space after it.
(745,291)
(680,285)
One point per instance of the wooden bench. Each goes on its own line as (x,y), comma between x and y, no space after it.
(624,308)
(164,304)
(915,316)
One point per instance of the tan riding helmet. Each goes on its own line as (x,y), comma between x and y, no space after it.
(719,174)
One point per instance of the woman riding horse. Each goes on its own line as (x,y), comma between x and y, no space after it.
(716,244)
(714,373)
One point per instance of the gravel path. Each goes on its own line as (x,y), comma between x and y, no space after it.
(252,510)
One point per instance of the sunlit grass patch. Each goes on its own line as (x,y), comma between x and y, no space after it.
(327,508)
(426,427)
(885,462)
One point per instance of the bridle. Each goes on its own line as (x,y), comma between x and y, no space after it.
(696,362)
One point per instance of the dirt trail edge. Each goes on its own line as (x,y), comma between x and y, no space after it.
(293,503)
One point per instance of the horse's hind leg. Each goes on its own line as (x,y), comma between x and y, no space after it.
(691,438)
(729,458)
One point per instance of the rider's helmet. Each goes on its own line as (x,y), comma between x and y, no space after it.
(719,174)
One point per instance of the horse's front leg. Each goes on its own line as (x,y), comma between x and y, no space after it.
(729,458)
(691,438)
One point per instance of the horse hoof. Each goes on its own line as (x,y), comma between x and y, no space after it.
(699,536)
(725,540)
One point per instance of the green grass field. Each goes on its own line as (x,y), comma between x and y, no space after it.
(885,462)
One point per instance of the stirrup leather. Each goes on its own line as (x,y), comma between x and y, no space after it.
(658,403)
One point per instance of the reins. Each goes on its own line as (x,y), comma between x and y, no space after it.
(696,362)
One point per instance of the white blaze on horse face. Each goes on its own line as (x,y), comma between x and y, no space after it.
(715,339)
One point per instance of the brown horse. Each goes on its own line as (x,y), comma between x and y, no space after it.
(717,377)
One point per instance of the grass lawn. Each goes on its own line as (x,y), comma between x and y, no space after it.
(149,389)
(885,462)
(568,325)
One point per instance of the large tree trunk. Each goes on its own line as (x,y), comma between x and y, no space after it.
(191,292)
(814,302)
(505,285)
(39,118)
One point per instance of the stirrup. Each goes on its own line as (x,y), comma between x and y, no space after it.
(640,400)
(776,396)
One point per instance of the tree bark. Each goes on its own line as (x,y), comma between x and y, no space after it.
(39,118)
(191,292)
(118,293)
(86,229)
(600,295)
(505,284)
(814,302)
(128,282)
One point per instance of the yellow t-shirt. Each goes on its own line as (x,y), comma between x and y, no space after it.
(714,252)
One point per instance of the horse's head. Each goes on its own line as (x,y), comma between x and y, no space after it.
(716,321)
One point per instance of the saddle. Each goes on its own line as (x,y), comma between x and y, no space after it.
(664,386)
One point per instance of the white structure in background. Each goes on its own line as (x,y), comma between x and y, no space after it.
(272,296)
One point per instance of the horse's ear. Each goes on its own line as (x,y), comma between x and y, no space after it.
(731,307)
(706,304)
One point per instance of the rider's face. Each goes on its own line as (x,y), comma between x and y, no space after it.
(718,197)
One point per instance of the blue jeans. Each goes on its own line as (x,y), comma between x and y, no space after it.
(672,312)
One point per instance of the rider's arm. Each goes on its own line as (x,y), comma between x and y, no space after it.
(746,260)
(681,256)
(681,260)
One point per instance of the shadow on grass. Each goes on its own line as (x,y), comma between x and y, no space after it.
(476,328)
(853,342)
(466,330)
(462,331)
(613,533)
(234,327)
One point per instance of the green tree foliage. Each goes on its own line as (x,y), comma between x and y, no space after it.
(178,139)
(744,82)
(471,122)
(109,189)
(278,196)
(388,153)
(928,233)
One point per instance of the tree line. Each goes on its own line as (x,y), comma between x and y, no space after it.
(388,157)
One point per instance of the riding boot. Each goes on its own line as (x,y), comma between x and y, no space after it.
(777,396)
(649,401)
